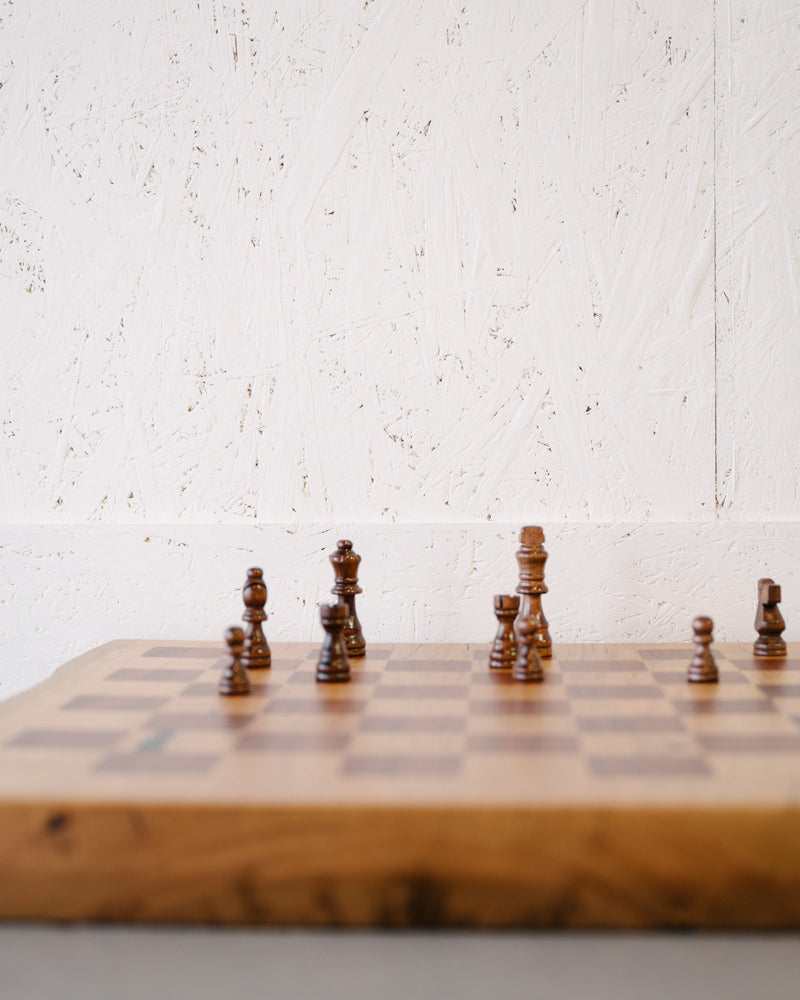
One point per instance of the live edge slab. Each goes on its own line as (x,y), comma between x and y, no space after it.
(428,791)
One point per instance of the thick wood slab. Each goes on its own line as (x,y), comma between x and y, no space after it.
(427,791)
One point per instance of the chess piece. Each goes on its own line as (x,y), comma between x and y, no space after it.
(702,669)
(527,666)
(531,557)
(345,566)
(769,621)
(254,593)
(333,665)
(504,648)
(234,678)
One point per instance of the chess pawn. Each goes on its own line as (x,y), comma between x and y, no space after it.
(527,666)
(234,678)
(531,557)
(504,648)
(254,593)
(769,621)
(702,669)
(345,566)
(333,665)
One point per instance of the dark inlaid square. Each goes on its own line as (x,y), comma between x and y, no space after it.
(277,664)
(749,742)
(429,666)
(159,675)
(522,743)
(625,692)
(724,706)
(756,663)
(402,766)
(115,703)
(422,691)
(210,689)
(640,766)
(629,724)
(502,706)
(780,690)
(502,677)
(294,742)
(157,763)
(413,724)
(66,739)
(186,652)
(316,706)
(602,666)
(199,721)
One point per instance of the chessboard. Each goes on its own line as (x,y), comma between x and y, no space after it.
(427,791)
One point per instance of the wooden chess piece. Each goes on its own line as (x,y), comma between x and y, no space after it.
(345,566)
(504,648)
(234,678)
(702,669)
(527,666)
(531,557)
(333,666)
(769,621)
(254,593)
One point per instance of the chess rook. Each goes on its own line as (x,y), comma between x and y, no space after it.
(504,648)
(703,669)
(254,593)
(345,566)
(769,621)
(527,666)
(234,678)
(531,557)
(333,666)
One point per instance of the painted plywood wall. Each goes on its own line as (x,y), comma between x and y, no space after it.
(411,273)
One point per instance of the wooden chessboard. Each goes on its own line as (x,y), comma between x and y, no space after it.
(425,792)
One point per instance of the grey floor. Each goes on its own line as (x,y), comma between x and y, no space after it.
(121,963)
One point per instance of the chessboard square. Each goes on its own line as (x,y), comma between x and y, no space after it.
(158,675)
(429,667)
(679,677)
(67,739)
(200,652)
(531,707)
(600,667)
(422,691)
(293,742)
(402,766)
(616,724)
(777,688)
(398,744)
(199,721)
(522,743)
(682,653)
(707,703)
(358,677)
(157,763)
(282,665)
(416,723)
(749,743)
(503,684)
(331,703)
(623,692)
(624,766)
(769,663)
(557,723)
(114,703)
(650,746)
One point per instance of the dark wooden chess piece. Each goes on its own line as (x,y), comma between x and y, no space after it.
(254,593)
(345,566)
(769,621)
(234,678)
(527,666)
(504,648)
(531,557)
(333,666)
(702,669)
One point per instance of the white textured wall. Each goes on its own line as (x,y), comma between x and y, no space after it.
(417,273)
